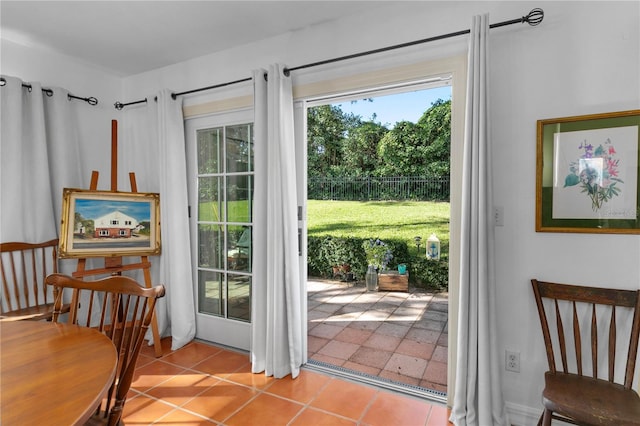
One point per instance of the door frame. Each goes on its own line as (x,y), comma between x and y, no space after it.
(224,331)
(455,68)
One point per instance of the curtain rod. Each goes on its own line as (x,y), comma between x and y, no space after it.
(533,18)
(49,92)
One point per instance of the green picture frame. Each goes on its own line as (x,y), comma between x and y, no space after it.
(588,174)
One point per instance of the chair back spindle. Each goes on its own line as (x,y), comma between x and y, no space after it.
(121,309)
(602,306)
(24,267)
(605,319)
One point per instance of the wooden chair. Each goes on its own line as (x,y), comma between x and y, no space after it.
(577,393)
(122,310)
(24,267)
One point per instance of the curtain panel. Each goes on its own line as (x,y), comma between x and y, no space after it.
(276,333)
(478,395)
(39,156)
(154,149)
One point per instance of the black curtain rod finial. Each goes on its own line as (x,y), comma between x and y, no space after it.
(91,100)
(534,17)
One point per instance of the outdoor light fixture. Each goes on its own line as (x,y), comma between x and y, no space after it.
(417,239)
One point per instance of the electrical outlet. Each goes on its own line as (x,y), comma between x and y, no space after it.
(512,361)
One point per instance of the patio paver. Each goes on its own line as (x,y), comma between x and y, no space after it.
(398,336)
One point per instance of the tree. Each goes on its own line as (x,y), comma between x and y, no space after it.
(341,144)
(360,148)
(80,223)
(420,149)
(436,122)
(325,132)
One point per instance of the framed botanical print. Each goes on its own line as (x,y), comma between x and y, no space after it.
(587,173)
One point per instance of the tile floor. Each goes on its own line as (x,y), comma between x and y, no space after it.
(398,336)
(203,384)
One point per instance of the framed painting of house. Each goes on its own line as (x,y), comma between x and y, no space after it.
(588,174)
(104,224)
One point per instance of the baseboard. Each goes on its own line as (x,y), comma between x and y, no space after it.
(521,415)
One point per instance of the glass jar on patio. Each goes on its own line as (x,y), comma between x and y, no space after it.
(371,278)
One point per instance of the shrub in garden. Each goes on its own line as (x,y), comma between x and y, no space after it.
(429,274)
(323,253)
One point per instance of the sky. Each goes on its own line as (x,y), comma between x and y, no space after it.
(94,209)
(390,109)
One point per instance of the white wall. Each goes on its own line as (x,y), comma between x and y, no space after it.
(54,70)
(584,58)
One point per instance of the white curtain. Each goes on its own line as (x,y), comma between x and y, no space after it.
(276,333)
(153,147)
(39,156)
(65,150)
(478,396)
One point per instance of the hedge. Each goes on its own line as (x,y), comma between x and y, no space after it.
(326,253)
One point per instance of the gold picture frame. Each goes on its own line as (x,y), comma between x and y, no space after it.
(109,223)
(588,174)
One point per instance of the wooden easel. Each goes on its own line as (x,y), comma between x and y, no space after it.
(113,265)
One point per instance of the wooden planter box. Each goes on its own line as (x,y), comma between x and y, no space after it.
(393,281)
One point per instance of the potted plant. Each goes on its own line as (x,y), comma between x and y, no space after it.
(378,257)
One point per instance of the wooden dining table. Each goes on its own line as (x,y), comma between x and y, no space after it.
(52,374)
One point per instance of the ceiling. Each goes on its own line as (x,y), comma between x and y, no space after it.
(130,37)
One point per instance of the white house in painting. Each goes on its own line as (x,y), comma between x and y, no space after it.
(115,225)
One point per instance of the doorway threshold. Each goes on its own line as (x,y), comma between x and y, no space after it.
(379,382)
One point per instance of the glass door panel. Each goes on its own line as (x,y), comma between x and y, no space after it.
(239,193)
(210,285)
(221,167)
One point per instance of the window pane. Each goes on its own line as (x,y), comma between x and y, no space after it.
(210,199)
(239,148)
(209,150)
(225,197)
(239,248)
(211,243)
(239,294)
(239,198)
(210,294)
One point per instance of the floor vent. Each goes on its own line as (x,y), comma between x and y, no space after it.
(406,389)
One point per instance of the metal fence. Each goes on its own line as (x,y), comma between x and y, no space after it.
(379,188)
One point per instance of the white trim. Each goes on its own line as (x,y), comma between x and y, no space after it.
(421,72)
(214,107)
(300,135)
(522,415)
(225,331)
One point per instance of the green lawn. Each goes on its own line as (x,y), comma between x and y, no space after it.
(399,220)
(237,211)
(402,220)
